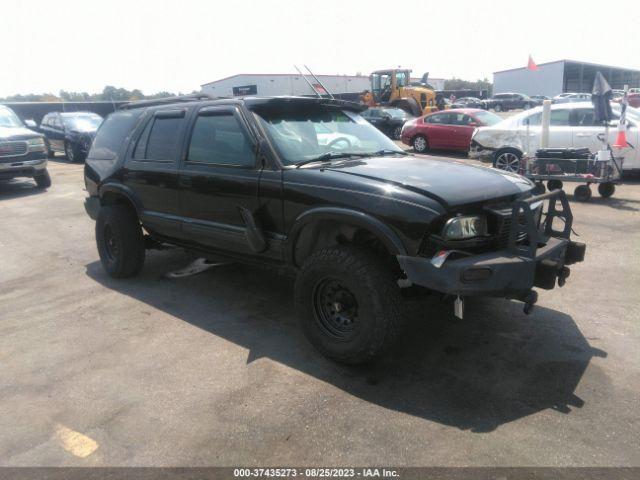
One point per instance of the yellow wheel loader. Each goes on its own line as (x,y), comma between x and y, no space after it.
(393,88)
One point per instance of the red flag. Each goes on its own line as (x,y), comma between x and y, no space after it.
(531,65)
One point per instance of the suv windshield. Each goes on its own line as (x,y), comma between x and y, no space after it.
(9,119)
(303,133)
(83,122)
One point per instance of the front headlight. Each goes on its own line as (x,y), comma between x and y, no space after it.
(465,226)
(36,144)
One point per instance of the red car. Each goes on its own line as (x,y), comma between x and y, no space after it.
(634,100)
(446,130)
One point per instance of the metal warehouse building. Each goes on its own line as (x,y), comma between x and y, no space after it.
(561,76)
(265,84)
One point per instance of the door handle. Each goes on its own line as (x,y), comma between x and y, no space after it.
(185,181)
(583,135)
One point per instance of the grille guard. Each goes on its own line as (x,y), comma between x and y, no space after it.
(533,233)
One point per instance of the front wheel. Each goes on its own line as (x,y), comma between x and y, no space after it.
(507,160)
(43,180)
(498,108)
(420,144)
(71,151)
(120,241)
(348,303)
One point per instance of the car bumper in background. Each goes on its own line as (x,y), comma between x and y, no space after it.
(17,167)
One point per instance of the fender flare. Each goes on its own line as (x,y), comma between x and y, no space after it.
(384,233)
(122,190)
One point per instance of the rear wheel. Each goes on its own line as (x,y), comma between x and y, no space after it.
(606,189)
(420,144)
(120,241)
(348,303)
(507,159)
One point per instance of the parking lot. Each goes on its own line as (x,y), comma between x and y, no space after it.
(212,369)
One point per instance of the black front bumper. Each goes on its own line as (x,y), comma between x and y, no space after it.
(539,261)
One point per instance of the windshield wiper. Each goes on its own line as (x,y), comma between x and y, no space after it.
(387,151)
(327,157)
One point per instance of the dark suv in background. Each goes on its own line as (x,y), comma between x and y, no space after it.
(70,133)
(271,182)
(388,120)
(22,151)
(502,102)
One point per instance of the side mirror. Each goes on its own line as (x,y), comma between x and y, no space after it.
(30,123)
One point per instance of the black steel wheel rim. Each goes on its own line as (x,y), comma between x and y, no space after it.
(335,308)
(110,243)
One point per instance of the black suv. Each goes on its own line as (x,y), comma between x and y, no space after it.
(22,151)
(272,181)
(70,133)
(502,102)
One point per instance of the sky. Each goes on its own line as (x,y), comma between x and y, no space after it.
(178,45)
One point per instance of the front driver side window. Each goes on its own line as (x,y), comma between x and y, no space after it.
(219,139)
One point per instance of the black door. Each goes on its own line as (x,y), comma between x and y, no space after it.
(55,133)
(219,181)
(152,170)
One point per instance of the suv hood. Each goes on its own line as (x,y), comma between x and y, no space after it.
(17,133)
(449,182)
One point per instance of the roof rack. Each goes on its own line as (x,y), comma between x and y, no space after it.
(163,101)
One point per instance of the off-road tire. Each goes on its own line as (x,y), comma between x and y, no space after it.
(125,256)
(43,180)
(377,297)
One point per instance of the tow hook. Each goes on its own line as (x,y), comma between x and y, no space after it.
(563,274)
(529,302)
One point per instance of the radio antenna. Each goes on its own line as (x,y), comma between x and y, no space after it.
(308,82)
(318,80)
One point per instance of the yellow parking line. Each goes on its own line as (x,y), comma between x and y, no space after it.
(75,442)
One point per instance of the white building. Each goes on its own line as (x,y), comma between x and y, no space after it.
(272,84)
(560,76)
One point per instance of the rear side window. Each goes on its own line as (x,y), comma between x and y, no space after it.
(112,134)
(219,139)
(159,141)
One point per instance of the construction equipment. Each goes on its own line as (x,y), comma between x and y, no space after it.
(393,88)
